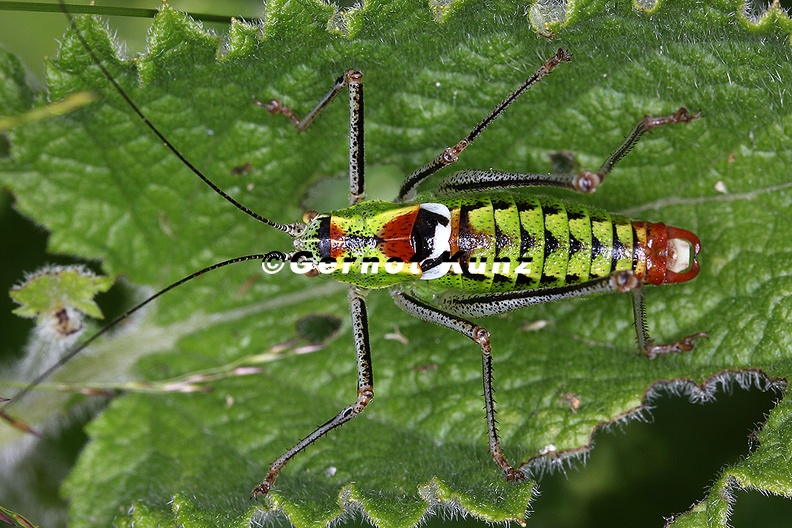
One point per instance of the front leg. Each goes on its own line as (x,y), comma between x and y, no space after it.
(365,392)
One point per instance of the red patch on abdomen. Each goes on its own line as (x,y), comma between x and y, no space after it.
(396,236)
(336,240)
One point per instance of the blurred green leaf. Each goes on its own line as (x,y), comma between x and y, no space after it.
(14,519)
(108,190)
(54,289)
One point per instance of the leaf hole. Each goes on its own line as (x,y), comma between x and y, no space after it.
(5,146)
(318,328)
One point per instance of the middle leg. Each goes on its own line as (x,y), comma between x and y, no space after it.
(451,154)
(584,181)
(480,336)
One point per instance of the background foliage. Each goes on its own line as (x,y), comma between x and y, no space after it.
(104,188)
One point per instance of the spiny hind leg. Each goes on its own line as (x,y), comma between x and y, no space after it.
(587,181)
(486,304)
(451,309)
(645,344)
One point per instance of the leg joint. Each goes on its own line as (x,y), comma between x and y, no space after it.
(587,181)
(365,395)
(624,281)
(481,336)
(352,76)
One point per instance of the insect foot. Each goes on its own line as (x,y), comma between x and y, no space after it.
(682,115)
(262,489)
(514,475)
(587,182)
(683,345)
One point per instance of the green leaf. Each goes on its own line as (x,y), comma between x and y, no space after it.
(108,190)
(54,289)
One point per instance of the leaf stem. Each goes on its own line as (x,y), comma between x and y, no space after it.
(135,12)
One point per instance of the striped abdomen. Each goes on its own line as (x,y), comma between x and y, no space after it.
(490,243)
(510,242)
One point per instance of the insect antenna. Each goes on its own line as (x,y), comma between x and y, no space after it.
(266,257)
(290,229)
